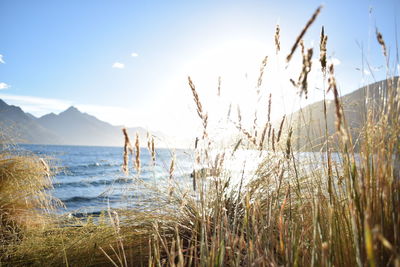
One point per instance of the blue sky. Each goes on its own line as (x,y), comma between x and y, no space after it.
(127,62)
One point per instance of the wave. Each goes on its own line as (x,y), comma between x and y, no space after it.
(95,165)
(86,214)
(79,199)
(99,198)
(102,182)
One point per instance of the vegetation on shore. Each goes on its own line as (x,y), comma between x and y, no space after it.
(341,212)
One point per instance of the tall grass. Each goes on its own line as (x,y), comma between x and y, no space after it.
(338,212)
(23,183)
(24,200)
(343,213)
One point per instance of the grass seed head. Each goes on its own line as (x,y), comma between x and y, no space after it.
(277,37)
(269,107)
(203,116)
(137,157)
(280,128)
(379,37)
(303,32)
(332,86)
(127,150)
(260,77)
(322,49)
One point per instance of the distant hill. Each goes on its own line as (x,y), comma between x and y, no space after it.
(309,123)
(20,127)
(77,128)
(70,127)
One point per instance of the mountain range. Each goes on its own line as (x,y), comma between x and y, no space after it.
(70,127)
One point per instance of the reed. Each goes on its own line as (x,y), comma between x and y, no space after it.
(379,37)
(127,150)
(137,154)
(202,115)
(280,128)
(261,145)
(322,48)
(302,80)
(333,87)
(269,108)
(341,214)
(303,32)
(277,38)
(151,147)
(291,212)
(262,68)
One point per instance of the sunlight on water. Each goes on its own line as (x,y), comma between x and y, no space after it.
(90,179)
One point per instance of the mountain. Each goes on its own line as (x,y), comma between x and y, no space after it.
(309,123)
(20,127)
(70,127)
(77,128)
(30,116)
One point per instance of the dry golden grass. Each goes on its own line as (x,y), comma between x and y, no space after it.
(24,180)
(291,212)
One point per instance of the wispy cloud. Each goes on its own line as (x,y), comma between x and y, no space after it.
(118,65)
(36,105)
(4,86)
(2,60)
(134,54)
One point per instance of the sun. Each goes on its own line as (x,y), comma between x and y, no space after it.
(238,64)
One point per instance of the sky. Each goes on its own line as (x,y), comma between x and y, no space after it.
(127,62)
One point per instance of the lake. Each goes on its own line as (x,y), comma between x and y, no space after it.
(90,179)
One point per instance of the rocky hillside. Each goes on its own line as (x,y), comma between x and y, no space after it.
(309,123)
